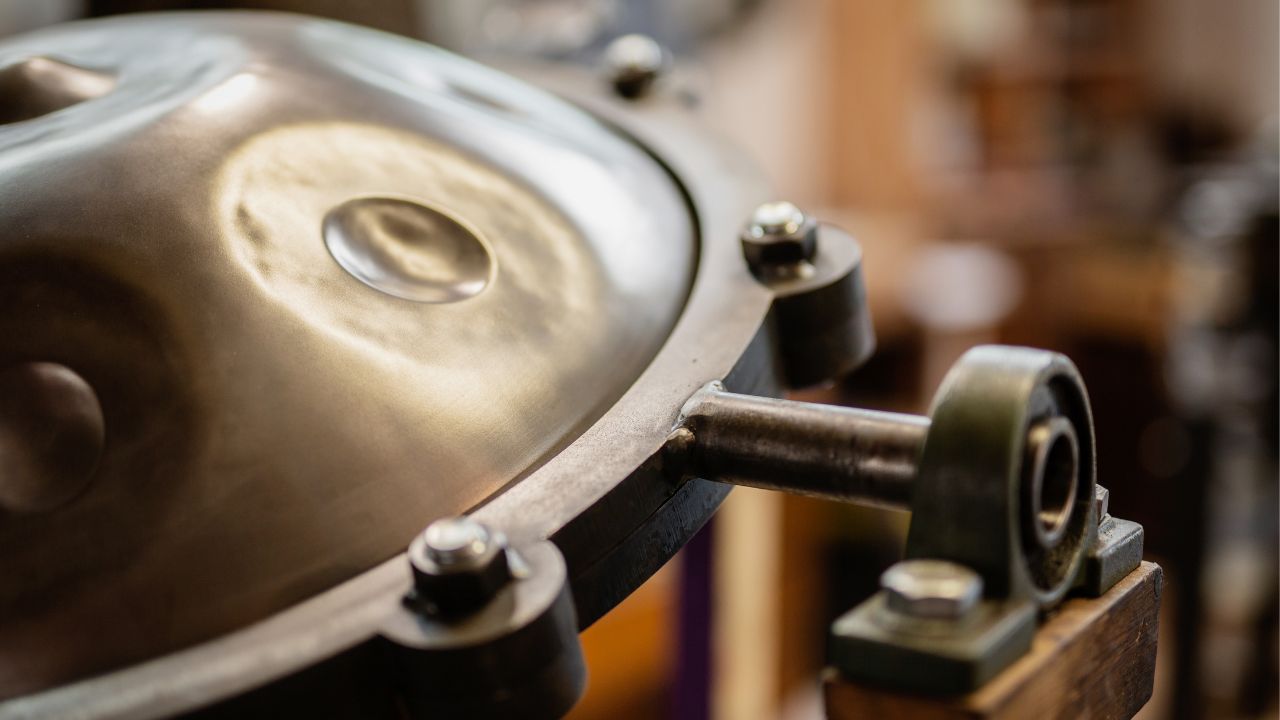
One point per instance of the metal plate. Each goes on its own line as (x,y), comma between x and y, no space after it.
(327,284)
(605,499)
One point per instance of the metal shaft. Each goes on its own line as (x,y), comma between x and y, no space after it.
(861,456)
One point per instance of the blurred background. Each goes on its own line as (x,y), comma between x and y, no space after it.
(1097,177)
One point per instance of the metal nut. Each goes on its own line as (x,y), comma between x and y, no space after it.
(634,63)
(457,542)
(779,234)
(934,589)
(458,566)
(1101,501)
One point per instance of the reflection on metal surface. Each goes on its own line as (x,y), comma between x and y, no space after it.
(276,427)
(227,95)
(407,249)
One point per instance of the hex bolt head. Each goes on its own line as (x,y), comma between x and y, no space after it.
(458,566)
(634,63)
(1101,502)
(931,589)
(779,235)
(456,542)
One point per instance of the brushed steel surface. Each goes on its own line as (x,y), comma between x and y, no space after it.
(274,425)
(606,500)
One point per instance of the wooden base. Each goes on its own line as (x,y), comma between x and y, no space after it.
(1094,658)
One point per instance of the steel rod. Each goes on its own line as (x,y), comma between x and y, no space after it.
(846,454)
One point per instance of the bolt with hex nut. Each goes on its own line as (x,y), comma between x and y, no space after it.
(778,237)
(931,589)
(634,63)
(459,565)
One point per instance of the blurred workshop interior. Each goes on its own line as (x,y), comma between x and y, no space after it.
(1097,177)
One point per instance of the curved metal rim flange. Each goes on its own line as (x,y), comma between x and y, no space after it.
(590,498)
(969,499)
